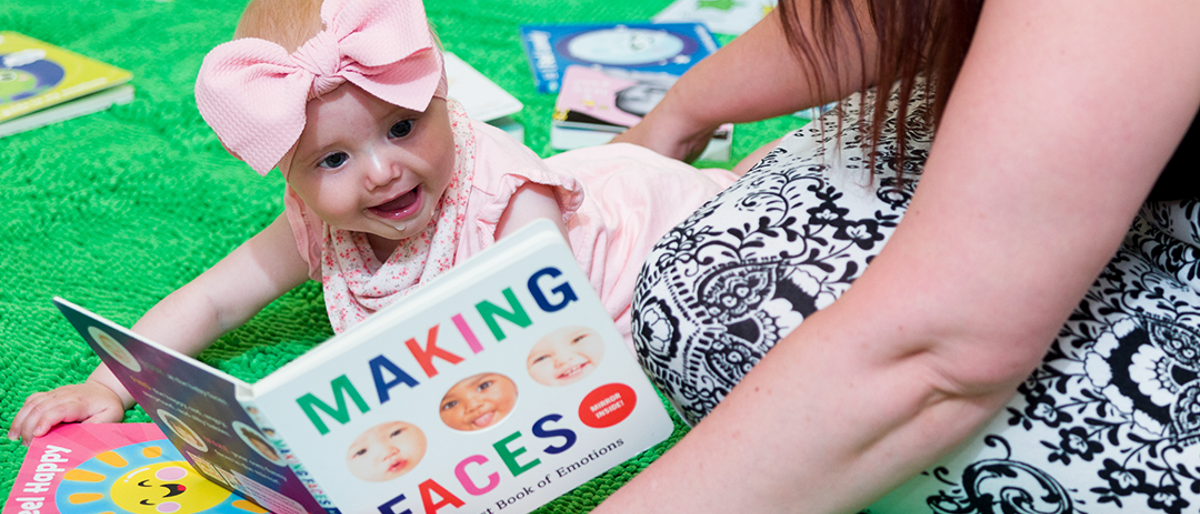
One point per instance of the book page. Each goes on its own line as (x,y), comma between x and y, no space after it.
(198,409)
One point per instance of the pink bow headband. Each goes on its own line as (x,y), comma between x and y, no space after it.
(253,94)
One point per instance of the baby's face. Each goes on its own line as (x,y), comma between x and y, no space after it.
(565,356)
(478,402)
(264,448)
(365,165)
(386,451)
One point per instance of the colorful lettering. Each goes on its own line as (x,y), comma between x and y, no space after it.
(460,471)
(467,333)
(382,386)
(489,311)
(341,387)
(566,294)
(425,355)
(542,433)
(510,456)
(429,486)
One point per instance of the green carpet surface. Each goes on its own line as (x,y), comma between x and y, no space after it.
(115,210)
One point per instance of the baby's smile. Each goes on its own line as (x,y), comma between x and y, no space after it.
(400,207)
(573,370)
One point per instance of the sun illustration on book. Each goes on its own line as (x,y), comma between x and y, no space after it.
(144,478)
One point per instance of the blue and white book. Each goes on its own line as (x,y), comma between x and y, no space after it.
(646,47)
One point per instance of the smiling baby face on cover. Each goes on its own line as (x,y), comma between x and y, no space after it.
(386,451)
(478,401)
(565,356)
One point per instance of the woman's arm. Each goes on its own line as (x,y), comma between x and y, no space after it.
(1062,118)
(187,320)
(755,77)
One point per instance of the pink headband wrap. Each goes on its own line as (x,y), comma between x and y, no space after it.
(253,94)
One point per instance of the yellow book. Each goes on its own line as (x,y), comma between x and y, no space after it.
(41,84)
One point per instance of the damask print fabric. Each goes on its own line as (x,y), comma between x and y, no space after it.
(1107,423)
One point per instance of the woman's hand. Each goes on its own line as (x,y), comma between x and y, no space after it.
(89,402)
(668,135)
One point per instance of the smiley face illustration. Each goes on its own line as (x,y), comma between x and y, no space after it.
(166,488)
(144,478)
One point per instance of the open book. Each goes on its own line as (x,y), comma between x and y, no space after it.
(499,386)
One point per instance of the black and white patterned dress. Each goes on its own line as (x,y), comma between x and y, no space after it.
(1108,422)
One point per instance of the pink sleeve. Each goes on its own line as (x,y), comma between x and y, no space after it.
(308,231)
(502,165)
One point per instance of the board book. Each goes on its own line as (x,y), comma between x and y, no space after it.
(481,98)
(115,468)
(648,47)
(496,387)
(41,84)
(595,104)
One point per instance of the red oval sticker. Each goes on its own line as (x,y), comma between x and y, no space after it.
(607,405)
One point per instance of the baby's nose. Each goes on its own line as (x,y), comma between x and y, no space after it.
(382,170)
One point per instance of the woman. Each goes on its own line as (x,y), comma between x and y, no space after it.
(1053,122)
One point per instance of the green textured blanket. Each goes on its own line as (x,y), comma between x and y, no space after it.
(115,210)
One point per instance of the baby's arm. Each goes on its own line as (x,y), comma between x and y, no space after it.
(530,202)
(187,320)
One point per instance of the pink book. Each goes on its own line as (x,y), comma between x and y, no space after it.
(114,468)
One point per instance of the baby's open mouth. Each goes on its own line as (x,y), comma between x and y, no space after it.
(484,420)
(572,371)
(400,207)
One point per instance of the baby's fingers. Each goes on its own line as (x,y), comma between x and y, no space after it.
(22,418)
(64,405)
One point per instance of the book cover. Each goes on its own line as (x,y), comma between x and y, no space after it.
(648,47)
(595,104)
(498,387)
(115,468)
(37,77)
(732,17)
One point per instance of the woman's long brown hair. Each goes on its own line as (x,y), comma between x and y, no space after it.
(916,38)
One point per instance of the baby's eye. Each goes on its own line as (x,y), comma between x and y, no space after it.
(541,358)
(334,161)
(401,128)
(449,405)
(396,432)
(486,385)
(578,339)
(360,452)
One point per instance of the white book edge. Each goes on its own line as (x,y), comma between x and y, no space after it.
(95,102)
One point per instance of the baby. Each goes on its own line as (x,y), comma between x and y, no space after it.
(386,451)
(565,356)
(388,184)
(478,402)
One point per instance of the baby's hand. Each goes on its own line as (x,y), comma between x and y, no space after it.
(89,402)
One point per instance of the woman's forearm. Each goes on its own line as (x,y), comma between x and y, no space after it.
(1062,117)
(755,77)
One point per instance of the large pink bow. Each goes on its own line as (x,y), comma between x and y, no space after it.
(253,94)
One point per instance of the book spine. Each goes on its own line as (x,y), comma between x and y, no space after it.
(542,61)
(293,462)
